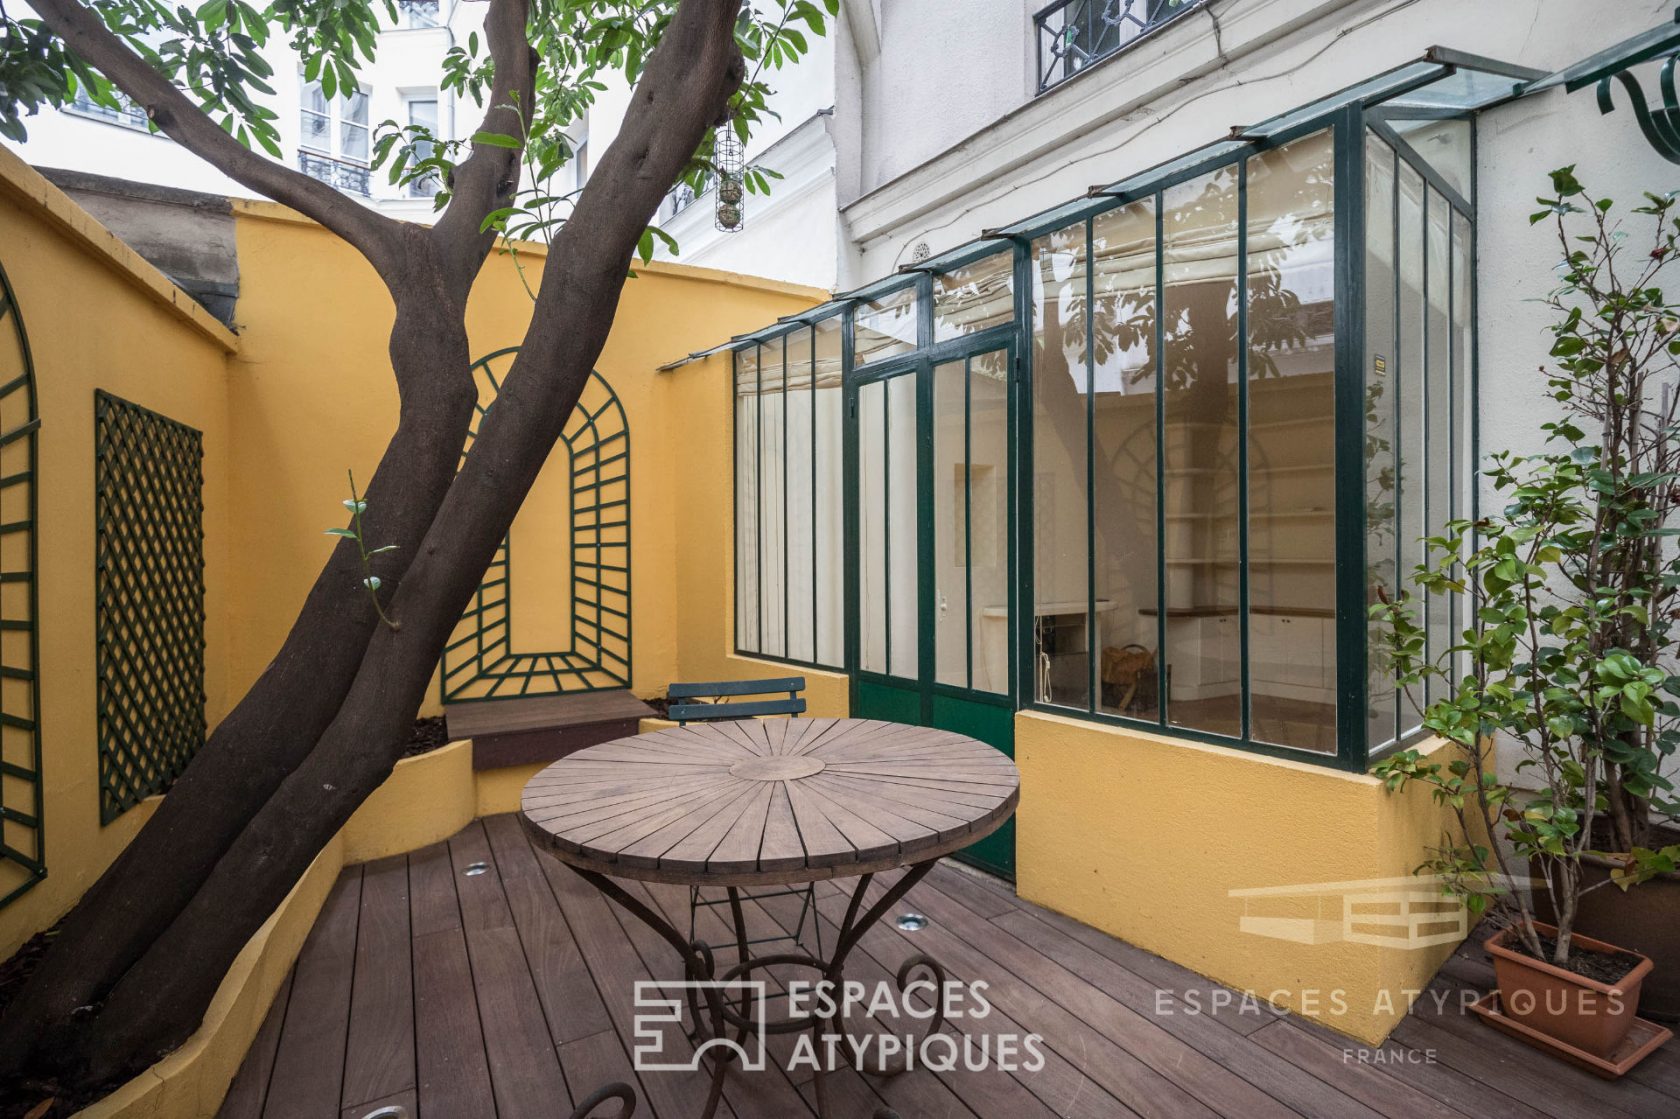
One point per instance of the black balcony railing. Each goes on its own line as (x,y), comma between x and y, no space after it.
(1075,34)
(352,178)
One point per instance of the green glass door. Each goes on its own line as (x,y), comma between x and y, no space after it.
(934,567)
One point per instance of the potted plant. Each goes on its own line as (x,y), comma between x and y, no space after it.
(1569,652)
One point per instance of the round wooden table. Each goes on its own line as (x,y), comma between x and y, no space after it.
(773,802)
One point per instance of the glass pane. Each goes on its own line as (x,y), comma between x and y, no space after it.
(801,500)
(829,512)
(872,526)
(884,327)
(746,500)
(1408,400)
(424,112)
(1380,478)
(314,101)
(772,504)
(1200,486)
(1123,255)
(1438,461)
(988,519)
(1060,380)
(317,131)
(353,108)
(974,297)
(950,523)
(1291,288)
(355,142)
(1444,145)
(904,611)
(1464,501)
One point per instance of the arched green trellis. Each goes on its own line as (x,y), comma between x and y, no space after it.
(23,860)
(480,662)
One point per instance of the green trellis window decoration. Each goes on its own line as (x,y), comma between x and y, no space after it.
(23,859)
(480,661)
(149,599)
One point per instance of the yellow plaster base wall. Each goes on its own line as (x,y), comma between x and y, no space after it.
(1144,837)
(426,799)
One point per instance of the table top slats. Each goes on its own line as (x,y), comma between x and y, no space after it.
(761,801)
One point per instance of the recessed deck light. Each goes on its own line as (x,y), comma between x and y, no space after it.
(911,922)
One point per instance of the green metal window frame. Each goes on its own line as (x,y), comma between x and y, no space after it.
(1443,84)
(23,851)
(479,662)
(148,497)
(799,331)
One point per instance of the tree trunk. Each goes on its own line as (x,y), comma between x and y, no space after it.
(274,727)
(160,999)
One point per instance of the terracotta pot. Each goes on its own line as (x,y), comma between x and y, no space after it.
(1591,1016)
(1645,918)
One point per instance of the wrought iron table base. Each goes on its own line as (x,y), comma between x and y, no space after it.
(720,1017)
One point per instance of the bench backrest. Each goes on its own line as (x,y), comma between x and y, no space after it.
(684,708)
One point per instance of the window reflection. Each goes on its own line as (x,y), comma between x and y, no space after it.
(1061,582)
(1200,436)
(1291,283)
(885,327)
(974,297)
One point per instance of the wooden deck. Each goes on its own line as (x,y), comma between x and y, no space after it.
(508,993)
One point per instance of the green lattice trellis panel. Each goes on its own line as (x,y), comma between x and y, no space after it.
(480,661)
(23,856)
(149,594)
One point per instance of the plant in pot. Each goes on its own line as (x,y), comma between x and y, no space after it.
(1569,653)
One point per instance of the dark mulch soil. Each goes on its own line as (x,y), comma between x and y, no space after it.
(661,706)
(25,1099)
(1603,967)
(430,733)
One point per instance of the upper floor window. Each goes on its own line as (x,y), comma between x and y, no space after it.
(423,112)
(129,116)
(333,142)
(1074,34)
(416,14)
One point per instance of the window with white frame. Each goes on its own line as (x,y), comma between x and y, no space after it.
(423,113)
(416,15)
(333,139)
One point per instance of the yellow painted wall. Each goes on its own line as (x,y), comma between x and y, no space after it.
(98,317)
(300,394)
(1145,836)
(312,395)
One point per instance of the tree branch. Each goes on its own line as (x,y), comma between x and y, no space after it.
(490,175)
(372,233)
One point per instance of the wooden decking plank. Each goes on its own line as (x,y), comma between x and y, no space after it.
(1246,1015)
(432,903)
(988,1091)
(483,903)
(1266,1071)
(1192,1070)
(764,1093)
(309,1063)
(1506,1069)
(1370,1085)
(408,1100)
(506,716)
(379,1056)
(1118,1071)
(524,1065)
(595,1061)
(570,1003)
(615,967)
(245,1096)
(451,1066)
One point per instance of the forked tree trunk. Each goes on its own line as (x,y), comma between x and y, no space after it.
(156,996)
(274,727)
